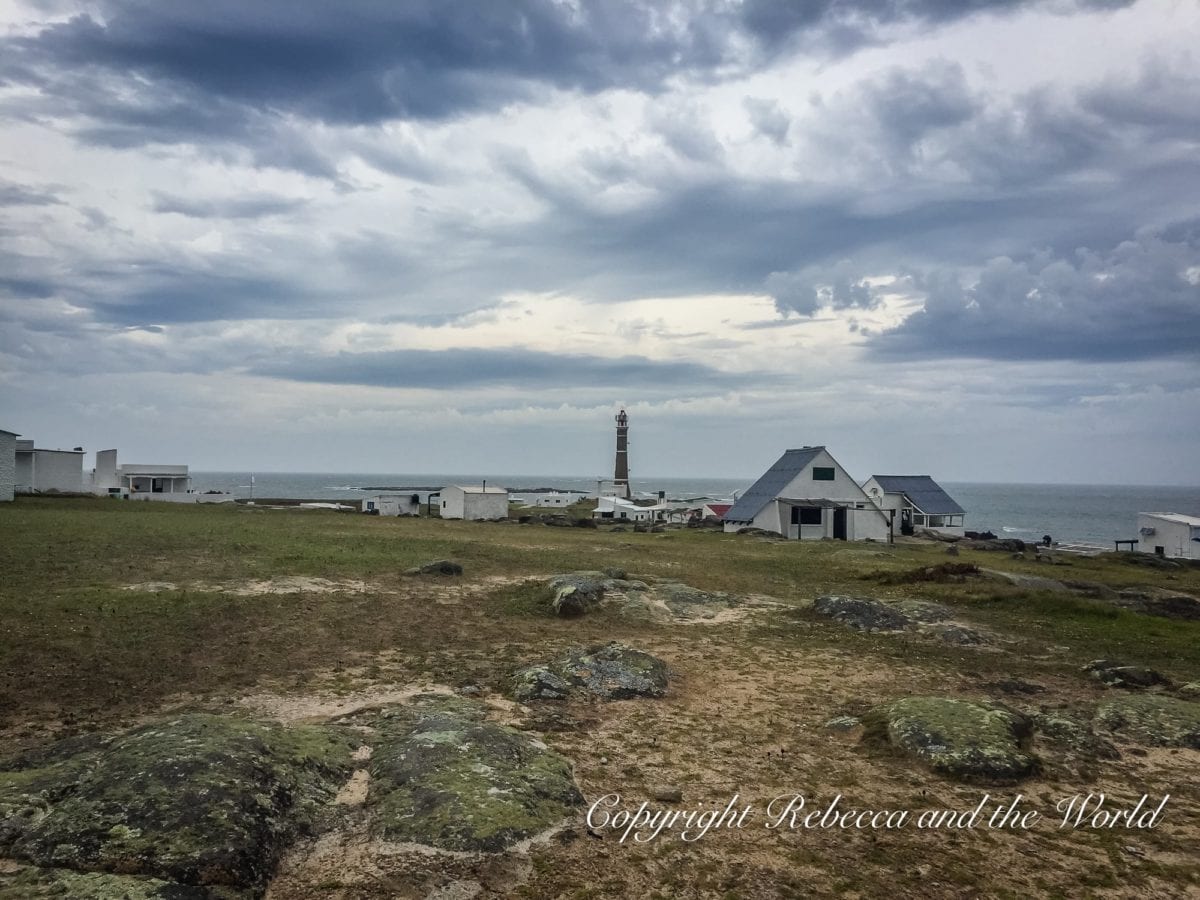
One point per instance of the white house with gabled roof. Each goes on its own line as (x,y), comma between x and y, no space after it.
(917,501)
(807,495)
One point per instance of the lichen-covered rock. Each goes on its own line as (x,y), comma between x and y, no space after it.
(918,616)
(1115,674)
(539,683)
(609,671)
(32,883)
(1190,691)
(1076,736)
(576,593)
(444,777)
(198,799)
(960,738)
(687,602)
(1153,719)
(861,613)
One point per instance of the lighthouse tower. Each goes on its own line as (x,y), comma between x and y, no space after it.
(621,470)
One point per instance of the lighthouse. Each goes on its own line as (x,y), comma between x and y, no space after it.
(621,470)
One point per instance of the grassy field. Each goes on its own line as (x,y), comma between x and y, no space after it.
(111,612)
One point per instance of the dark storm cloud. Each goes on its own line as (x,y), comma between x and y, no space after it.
(251,206)
(158,71)
(1139,300)
(473,368)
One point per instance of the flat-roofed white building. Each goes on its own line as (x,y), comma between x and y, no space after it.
(1172,535)
(141,481)
(393,505)
(476,501)
(8,465)
(40,470)
(807,495)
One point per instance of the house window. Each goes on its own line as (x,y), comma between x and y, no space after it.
(806,515)
(823,473)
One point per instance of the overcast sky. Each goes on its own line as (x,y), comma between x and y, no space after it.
(938,237)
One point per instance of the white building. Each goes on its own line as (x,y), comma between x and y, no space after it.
(807,495)
(141,481)
(550,499)
(917,501)
(8,465)
(618,509)
(1169,534)
(474,502)
(393,505)
(38,470)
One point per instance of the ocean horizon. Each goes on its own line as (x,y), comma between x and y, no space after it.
(1084,513)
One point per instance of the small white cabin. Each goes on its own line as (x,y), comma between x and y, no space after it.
(393,505)
(474,502)
(1172,535)
(807,495)
(915,502)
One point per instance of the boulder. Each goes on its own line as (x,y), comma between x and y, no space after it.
(687,602)
(1116,674)
(971,741)
(198,799)
(609,671)
(444,777)
(574,594)
(861,613)
(445,567)
(1154,719)
(1077,737)
(919,616)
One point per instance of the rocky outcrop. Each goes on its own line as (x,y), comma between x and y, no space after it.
(32,883)
(1006,545)
(446,567)
(1116,674)
(920,617)
(608,671)
(1154,719)
(966,740)
(1073,735)
(575,594)
(444,777)
(1166,604)
(198,799)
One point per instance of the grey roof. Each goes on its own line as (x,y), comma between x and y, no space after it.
(771,484)
(922,492)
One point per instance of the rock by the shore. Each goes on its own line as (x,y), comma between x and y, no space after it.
(444,777)
(610,671)
(1154,719)
(445,567)
(197,799)
(959,738)
(1006,545)
(1117,674)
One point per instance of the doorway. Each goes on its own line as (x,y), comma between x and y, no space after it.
(839,524)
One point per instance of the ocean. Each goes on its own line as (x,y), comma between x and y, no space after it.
(1084,513)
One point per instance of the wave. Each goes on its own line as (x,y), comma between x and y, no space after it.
(1010,530)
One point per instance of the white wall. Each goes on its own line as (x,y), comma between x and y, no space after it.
(54,470)
(392,505)
(8,465)
(105,476)
(23,472)
(1174,537)
(459,504)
